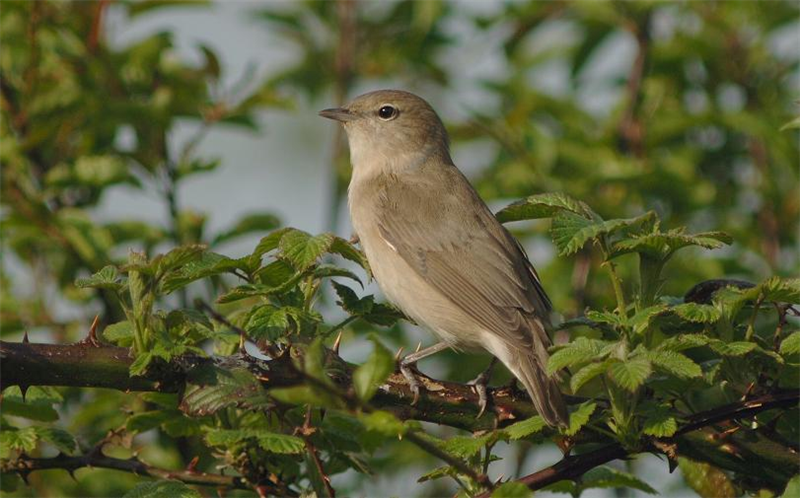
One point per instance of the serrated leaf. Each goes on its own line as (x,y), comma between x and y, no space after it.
(777,289)
(525,427)
(141,422)
(466,446)
(544,206)
(37,404)
(675,363)
(268,322)
(661,244)
(793,486)
(302,249)
(641,320)
(107,278)
(270,242)
(605,477)
(210,388)
(580,417)
(206,265)
(438,473)
(176,258)
(791,344)
(630,374)
(581,350)
(659,422)
(738,348)
(368,377)
(20,440)
(162,489)
(327,271)
(586,374)
(571,232)
(346,250)
(697,313)
(280,443)
(684,341)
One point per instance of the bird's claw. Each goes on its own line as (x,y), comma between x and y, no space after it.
(413,382)
(479,384)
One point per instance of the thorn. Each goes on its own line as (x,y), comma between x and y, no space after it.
(337,342)
(91,337)
(71,473)
(321,414)
(23,389)
(398,353)
(25,339)
(419,347)
(497,481)
(24,475)
(192,466)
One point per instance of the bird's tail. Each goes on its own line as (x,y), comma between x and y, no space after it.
(528,366)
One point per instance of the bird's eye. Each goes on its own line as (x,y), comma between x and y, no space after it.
(387,112)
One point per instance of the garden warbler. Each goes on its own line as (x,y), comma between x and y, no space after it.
(436,249)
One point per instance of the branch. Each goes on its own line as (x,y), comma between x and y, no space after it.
(85,365)
(572,467)
(24,465)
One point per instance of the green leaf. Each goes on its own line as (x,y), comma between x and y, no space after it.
(586,374)
(684,341)
(210,388)
(512,489)
(697,313)
(571,232)
(366,308)
(141,422)
(525,427)
(346,250)
(780,290)
(120,333)
(383,423)
(791,344)
(280,443)
(327,271)
(19,439)
(545,206)
(61,439)
(659,422)
(738,348)
(660,245)
(268,322)
(37,404)
(605,477)
(641,320)
(206,265)
(302,249)
(176,258)
(581,350)
(580,417)
(675,363)
(257,222)
(107,278)
(271,241)
(368,377)
(793,486)
(467,446)
(630,374)
(438,473)
(162,489)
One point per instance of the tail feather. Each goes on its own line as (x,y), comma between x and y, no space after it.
(543,390)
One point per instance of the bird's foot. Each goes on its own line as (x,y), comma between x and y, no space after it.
(480,383)
(408,370)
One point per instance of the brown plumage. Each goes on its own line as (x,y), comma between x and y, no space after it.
(434,246)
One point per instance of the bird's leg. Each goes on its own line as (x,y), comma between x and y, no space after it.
(480,382)
(408,362)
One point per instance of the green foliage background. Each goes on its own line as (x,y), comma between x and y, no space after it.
(698,137)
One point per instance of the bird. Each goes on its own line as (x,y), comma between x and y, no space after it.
(436,250)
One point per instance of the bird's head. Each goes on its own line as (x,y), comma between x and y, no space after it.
(390,128)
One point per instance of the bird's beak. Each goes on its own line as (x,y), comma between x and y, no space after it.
(338,113)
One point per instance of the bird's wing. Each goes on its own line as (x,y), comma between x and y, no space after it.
(464,253)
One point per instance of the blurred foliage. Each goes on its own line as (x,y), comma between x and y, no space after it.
(697,131)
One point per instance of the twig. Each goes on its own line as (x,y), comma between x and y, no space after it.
(24,465)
